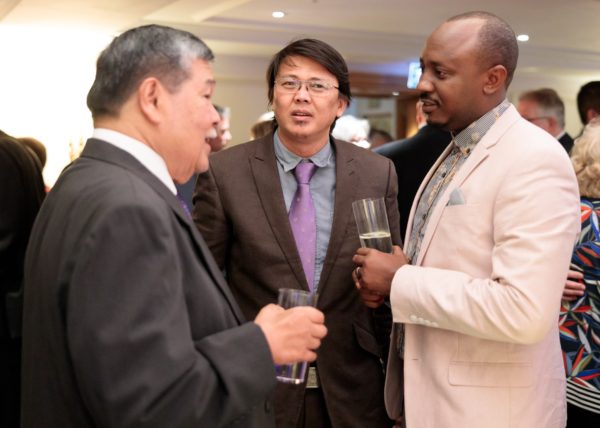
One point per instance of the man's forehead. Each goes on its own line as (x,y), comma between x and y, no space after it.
(457,32)
(451,39)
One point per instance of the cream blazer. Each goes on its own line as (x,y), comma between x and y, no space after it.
(480,304)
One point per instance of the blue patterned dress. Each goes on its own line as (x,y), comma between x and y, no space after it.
(579,321)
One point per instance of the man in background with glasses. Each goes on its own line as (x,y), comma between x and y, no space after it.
(246,207)
(544,108)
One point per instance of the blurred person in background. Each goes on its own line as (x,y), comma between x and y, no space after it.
(223,135)
(579,322)
(588,101)
(544,108)
(265,125)
(352,130)
(21,194)
(378,137)
(413,157)
(39,151)
(217,139)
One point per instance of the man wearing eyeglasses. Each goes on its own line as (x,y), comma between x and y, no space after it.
(544,108)
(246,208)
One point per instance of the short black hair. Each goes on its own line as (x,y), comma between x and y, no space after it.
(588,97)
(497,41)
(321,53)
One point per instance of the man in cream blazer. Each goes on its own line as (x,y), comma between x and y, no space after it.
(489,239)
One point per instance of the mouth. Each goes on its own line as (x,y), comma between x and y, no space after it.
(429,105)
(301,115)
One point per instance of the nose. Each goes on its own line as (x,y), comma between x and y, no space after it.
(214,116)
(302,92)
(424,84)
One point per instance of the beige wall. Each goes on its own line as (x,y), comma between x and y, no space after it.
(43,96)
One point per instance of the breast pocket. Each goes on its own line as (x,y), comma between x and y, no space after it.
(462,237)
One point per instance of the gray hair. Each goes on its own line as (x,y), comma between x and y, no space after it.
(150,50)
(549,103)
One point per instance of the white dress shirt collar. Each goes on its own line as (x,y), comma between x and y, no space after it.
(144,154)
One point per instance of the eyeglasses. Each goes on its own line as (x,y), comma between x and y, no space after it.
(315,87)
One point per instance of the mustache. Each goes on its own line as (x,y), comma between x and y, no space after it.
(212,133)
(426,98)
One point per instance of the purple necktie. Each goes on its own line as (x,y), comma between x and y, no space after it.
(184,205)
(302,217)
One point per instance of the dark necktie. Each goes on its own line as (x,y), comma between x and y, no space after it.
(302,218)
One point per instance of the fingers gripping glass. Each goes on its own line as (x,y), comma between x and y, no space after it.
(315,87)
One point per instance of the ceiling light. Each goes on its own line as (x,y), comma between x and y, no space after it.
(278,14)
(522,37)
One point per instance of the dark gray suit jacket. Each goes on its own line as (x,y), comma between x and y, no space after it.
(239,208)
(128,322)
(413,157)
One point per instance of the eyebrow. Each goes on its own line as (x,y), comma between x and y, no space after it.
(294,76)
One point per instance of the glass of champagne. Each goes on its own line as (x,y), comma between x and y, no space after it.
(372,223)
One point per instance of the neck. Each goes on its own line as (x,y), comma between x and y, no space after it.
(304,147)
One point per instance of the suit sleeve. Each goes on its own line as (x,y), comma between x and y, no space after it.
(391,202)
(209,217)
(137,362)
(535,222)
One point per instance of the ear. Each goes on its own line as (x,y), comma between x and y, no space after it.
(342,105)
(149,96)
(495,79)
(591,113)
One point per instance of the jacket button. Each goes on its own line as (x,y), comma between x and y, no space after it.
(268,406)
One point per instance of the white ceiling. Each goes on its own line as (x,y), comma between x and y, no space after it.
(373,35)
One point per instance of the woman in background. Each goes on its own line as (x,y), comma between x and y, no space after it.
(579,321)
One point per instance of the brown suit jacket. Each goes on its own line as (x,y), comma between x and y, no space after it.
(240,210)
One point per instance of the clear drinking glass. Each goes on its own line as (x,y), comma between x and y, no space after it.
(289,298)
(372,224)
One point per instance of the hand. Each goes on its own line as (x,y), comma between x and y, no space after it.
(292,334)
(371,299)
(375,272)
(399,422)
(574,287)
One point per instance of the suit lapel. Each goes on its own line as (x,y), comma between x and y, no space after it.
(422,187)
(109,153)
(480,153)
(268,186)
(346,183)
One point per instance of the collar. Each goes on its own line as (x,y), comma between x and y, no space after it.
(289,160)
(466,139)
(143,153)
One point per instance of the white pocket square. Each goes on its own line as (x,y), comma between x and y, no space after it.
(456,197)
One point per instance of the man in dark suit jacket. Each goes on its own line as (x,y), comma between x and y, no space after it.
(413,157)
(21,193)
(128,321)
(241,207)
(544,108)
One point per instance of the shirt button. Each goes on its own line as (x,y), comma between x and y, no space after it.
(413,318)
